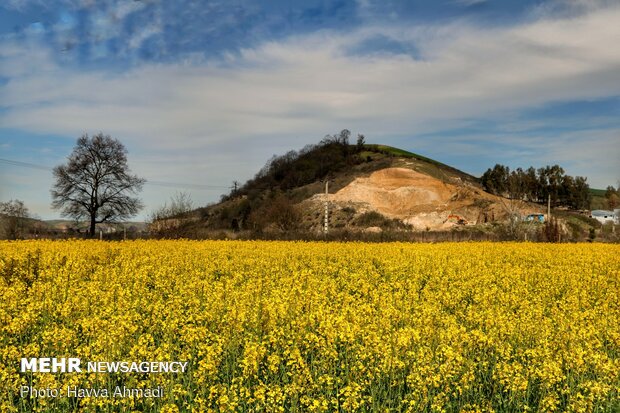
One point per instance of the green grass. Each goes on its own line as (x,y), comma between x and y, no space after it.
(598,200)
(406,154)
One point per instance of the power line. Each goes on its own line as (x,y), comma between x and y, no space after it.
(148,182)
(25,164)
(194,186)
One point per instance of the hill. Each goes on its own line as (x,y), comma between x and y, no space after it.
(372,188)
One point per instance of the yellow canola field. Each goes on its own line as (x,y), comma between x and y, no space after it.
(315,327)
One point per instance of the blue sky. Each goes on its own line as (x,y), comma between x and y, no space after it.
(204,92)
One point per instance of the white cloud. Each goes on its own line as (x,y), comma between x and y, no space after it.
(124,8)
(468,3)
(138,38)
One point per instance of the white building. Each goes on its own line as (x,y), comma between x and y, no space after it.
(604,216)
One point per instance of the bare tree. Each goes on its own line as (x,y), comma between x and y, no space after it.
(14,216)
(181,203)
(96,182)
(361,140)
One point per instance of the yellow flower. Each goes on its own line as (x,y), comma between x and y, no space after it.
(292,326)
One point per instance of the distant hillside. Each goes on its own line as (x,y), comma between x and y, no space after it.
(373,189)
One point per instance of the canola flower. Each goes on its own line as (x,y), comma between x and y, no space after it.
(316,327)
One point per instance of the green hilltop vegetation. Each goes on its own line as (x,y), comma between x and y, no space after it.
(329,159)
(447,170)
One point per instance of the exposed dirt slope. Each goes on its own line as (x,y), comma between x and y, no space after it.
(397,192)
(424,201)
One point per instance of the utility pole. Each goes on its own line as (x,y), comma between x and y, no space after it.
(549,207)
(326,222)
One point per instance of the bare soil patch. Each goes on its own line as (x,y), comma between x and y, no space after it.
(424,201)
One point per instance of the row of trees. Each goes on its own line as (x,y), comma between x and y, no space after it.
(537,185)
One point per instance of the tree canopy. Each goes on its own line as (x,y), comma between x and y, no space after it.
(536,185)
(96,182)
